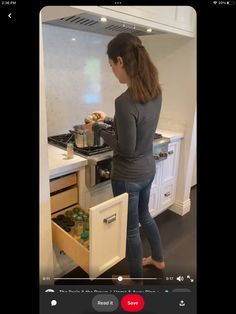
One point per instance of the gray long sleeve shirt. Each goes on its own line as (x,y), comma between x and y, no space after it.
(131,137)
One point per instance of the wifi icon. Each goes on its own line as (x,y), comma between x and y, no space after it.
(215,2)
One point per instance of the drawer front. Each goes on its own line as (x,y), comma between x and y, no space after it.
(77,252)
(63,182)
(167,195)
(64,199)
(108,227)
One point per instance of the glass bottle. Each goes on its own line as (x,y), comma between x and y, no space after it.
(86,222)
(78,229)
(70,150)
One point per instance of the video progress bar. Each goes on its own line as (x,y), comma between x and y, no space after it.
(56,278)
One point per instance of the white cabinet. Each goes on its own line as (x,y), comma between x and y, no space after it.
(107,237)
(177,19)
(163,188)
(62,264)
(174,19)
(170,164)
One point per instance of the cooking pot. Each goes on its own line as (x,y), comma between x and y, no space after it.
(85,137)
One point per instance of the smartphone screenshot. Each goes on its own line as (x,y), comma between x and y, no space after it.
(118,201)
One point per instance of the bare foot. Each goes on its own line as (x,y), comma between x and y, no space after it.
(124,280)
(149,261)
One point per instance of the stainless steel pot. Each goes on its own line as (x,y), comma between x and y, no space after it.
(85,137)
(80,135)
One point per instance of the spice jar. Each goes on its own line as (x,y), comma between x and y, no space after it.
(70,150)
(69,213)
(84,239)
(78,229)
(86,222)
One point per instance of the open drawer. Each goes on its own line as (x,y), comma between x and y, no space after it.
(107,237)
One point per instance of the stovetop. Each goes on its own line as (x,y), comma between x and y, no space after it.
(61,141)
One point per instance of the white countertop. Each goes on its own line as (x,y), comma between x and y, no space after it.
(173,136)
(59,164)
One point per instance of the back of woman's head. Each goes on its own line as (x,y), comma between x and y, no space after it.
(143,75)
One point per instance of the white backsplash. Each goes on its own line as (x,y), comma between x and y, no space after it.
(78,77)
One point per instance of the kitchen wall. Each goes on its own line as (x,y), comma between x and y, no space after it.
(174,57)
(78,77)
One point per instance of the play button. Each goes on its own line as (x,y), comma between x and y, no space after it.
(132,303)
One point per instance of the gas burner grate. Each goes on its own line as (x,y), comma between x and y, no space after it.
(61,141)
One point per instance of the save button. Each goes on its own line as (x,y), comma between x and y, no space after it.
(132,303)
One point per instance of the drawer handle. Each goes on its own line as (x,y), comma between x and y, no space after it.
(171,152)
(110,219)
(167,194)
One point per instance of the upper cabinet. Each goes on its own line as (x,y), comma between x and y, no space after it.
(173,19)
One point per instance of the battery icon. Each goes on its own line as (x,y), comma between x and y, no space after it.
(230,2)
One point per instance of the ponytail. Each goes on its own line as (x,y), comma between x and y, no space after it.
(143,75)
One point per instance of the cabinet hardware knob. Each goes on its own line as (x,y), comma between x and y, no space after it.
(167,194)
(171,152)
(110,219)
(62,252)
(104,173)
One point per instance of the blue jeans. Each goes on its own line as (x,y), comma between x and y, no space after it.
(138,211)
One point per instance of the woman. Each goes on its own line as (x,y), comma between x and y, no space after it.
(131,134)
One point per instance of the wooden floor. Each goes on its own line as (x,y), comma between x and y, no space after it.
(178,236)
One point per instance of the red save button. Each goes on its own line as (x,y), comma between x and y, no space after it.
(132,303)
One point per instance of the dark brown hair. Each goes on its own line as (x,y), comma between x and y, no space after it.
(143,75)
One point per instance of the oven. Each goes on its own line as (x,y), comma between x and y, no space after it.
(98,171)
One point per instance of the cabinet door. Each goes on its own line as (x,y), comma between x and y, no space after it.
(154,202)
(170,164)
(157,180)
(108,227)
(155,190)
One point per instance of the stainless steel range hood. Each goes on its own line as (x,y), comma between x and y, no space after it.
(91,23)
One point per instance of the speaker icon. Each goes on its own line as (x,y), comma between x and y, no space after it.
(180,278)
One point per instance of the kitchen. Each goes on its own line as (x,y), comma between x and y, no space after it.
(76,80)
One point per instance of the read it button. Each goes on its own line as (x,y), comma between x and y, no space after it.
(132,303)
